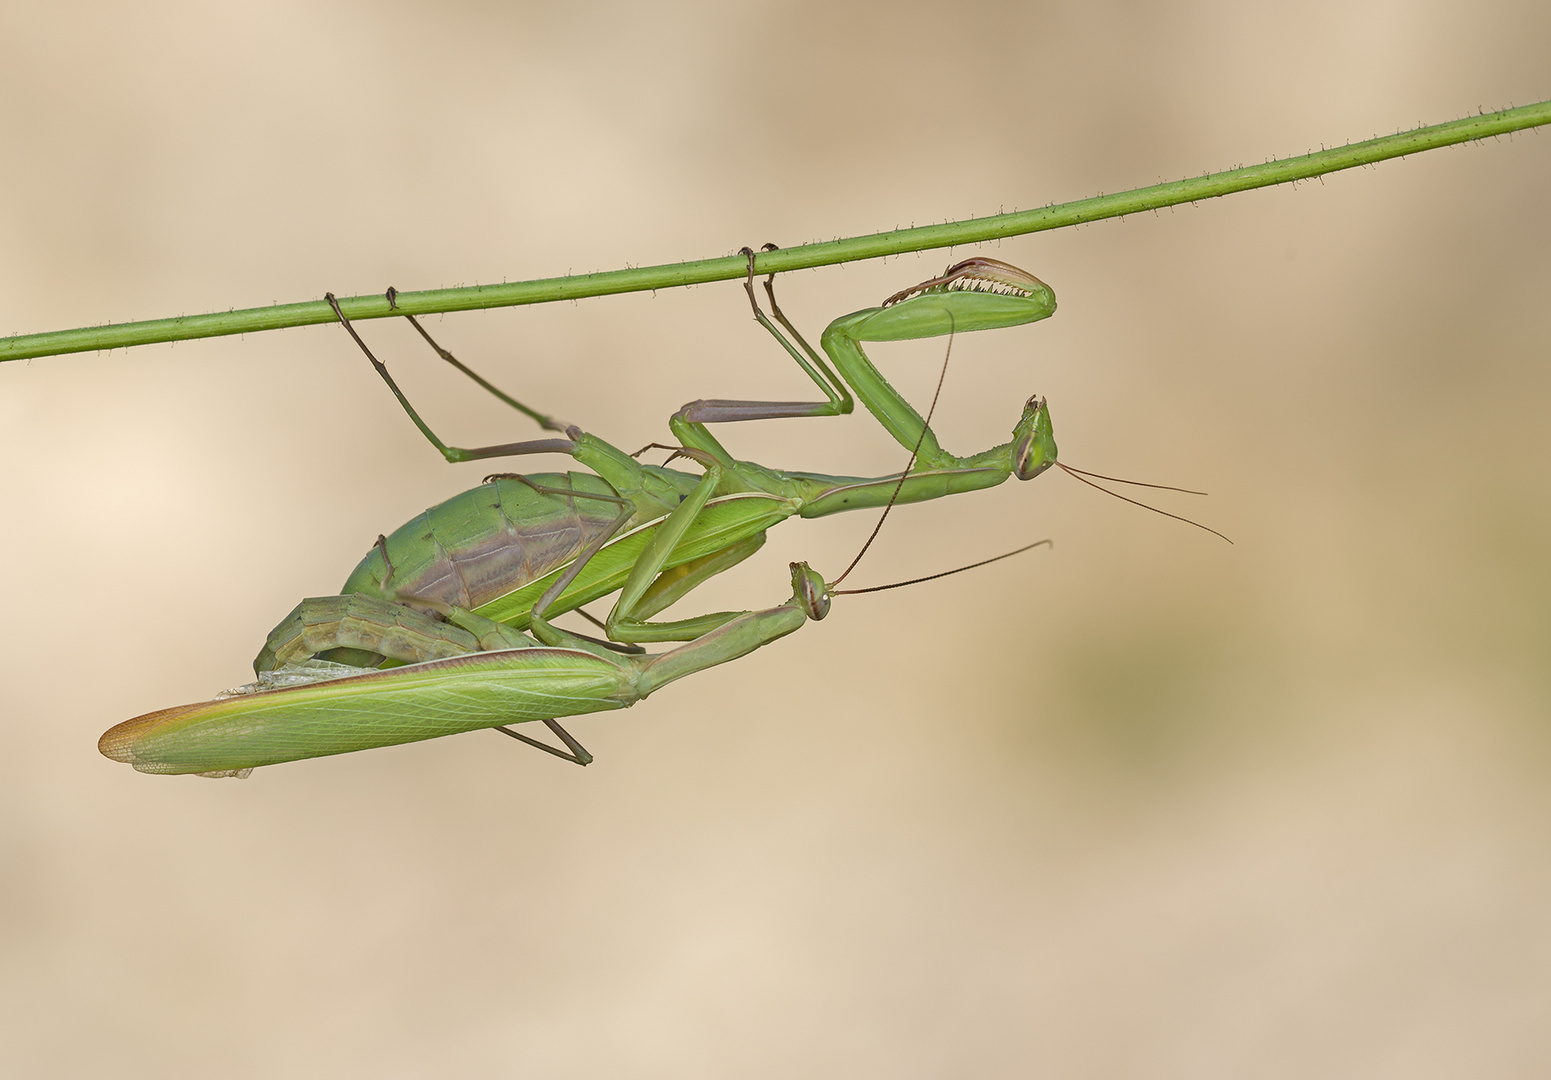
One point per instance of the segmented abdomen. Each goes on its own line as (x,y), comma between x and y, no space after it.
(490,540)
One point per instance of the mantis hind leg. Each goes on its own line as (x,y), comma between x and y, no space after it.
(548,423)
(578,752)
(459,453)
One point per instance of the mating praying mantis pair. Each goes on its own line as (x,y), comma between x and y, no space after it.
(445,626)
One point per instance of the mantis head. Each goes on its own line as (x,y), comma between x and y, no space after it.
(1034,441)
(976,294)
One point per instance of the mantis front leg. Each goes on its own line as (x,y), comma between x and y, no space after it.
(977,294)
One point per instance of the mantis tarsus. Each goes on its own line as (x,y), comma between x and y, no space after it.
(449,593)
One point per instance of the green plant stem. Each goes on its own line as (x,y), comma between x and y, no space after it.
(899,241)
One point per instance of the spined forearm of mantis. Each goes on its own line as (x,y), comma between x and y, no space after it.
(449,593)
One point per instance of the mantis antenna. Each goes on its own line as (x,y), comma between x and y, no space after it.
(1081,474)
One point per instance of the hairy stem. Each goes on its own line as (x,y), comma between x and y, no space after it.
(897,242)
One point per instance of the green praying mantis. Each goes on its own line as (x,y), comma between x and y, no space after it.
(444,627)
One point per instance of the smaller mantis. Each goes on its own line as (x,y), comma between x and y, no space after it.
(448,603)
(497,548)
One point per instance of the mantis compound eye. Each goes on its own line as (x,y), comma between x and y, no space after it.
(809,588)
(1028,459)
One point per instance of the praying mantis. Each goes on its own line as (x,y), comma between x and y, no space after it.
(427,636)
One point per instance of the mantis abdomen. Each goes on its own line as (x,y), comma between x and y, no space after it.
(485,542)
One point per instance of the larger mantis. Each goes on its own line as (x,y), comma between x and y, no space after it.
(449,593)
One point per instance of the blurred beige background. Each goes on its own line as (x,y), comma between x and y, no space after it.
(1143,805)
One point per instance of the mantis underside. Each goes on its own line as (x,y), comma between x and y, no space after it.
(444,626)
